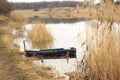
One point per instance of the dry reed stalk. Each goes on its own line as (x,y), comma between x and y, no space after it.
(85,3)
(40,36)
(7,38)
(103,50)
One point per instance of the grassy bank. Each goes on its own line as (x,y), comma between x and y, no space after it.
(13,65)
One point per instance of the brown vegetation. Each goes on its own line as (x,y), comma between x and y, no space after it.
(12,65)
(103,12)
(104,52)
(102,45)
(107,1)
(40,36)
(103,57)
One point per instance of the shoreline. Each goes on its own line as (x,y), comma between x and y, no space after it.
(106,12)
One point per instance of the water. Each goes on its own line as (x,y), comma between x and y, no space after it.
(65,36)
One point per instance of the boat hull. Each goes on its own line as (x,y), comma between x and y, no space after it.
(53,53)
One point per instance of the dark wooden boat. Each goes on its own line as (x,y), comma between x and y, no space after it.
(52,53)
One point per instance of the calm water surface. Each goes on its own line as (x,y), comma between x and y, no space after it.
(66,36)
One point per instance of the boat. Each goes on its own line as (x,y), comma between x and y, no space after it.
(52,53)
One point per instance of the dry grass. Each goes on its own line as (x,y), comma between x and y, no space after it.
(20,15)
(102,61)
(75,76)
(103,39)
(8,58)
(13,65)
(40,36)
(33,71)
(6,38)
(16,24)
(104,53)
(3,20)
(105,12)
(59,13)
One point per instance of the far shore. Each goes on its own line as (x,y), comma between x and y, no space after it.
(106,12)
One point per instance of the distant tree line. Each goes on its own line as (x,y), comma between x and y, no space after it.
(39,5)
(117,2)
(4,7)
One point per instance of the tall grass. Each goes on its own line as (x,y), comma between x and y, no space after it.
(6,38)
(40,36)
(103,62)
(15,67)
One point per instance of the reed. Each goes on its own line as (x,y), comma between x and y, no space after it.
(104,52)
(40,36)
(16,67)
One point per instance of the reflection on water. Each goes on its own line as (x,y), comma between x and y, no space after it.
(65,36)
(54,20)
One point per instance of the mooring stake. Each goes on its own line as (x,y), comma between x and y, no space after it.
(67,57)
(24,45)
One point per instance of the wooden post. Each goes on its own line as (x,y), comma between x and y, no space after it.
(67,56)
(24,45)
(41,58)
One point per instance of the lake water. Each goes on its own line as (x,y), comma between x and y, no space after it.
(65,35)
(68,35)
